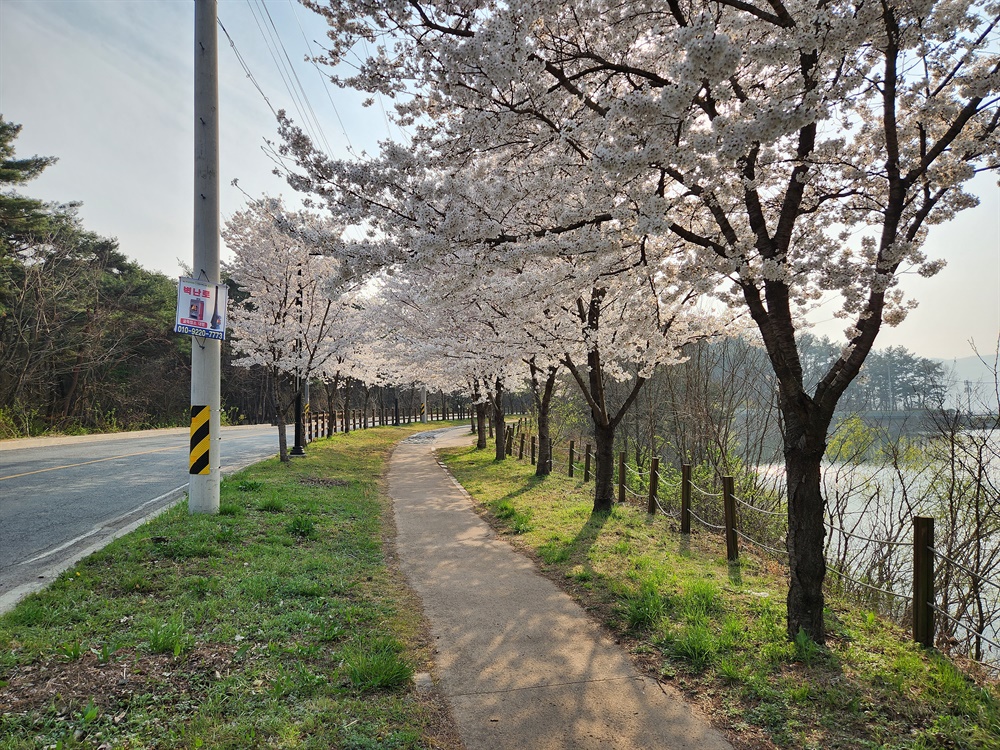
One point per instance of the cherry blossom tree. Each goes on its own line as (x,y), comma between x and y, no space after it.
(800,150)
(283,263)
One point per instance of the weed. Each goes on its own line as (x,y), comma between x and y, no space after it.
(226,535)
(202,587)
(806,649)
(695,645)
(870,621)
(622,548)
(729,670)
(89,713)
(521,523)
(302,527)
(249,485)
(169,637)
(645,609)
(377,666)
(700,599)
(504,510)
(106,653)
(554,552)
(580,574)
(71,651)
(799,693)
(271,505)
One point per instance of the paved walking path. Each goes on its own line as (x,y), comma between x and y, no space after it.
(521,664)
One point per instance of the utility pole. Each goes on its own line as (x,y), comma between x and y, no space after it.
(206,354)
(423,404)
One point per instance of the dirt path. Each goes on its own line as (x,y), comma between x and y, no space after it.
(521,664)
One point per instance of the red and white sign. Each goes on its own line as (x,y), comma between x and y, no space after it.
(201,309)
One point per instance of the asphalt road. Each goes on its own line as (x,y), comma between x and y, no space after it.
(63,498)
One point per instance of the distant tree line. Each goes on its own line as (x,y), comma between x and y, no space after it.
(86,339)
(719,406)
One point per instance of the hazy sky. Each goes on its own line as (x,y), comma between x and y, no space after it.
(106,86)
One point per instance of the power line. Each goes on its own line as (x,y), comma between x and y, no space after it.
(323,78)
(246,68)
(295,75)
(272,48)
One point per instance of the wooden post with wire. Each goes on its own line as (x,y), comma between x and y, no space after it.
(586,464)
(654,481)
(621,477)
(533,450)
(572,447)
(923,581)
(729,512)
(685,498)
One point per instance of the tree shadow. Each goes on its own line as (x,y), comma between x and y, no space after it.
(531,484)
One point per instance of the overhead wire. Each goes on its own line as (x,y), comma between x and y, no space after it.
(323,78)
(298,83)
(246,68)
(300,100)
(272,48)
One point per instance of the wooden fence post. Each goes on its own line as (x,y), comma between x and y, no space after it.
(509,443)
(532,450)
(923,581)
(654,482)
(685,498)
(621,477)
(551,454)
(586,464)
(729,511)
(520,449)
(572,447)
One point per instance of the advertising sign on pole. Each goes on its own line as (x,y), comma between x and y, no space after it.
(201,309)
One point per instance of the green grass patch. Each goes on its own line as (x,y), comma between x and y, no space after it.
(719,630)
(274,624)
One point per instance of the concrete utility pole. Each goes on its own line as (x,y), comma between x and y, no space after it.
(423,404)
(206,354)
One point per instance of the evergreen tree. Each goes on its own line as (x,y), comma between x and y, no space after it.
(19,216)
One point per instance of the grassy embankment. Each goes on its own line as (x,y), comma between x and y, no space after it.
(276,623)
(717,631)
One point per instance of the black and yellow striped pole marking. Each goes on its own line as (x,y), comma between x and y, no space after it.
(200,440)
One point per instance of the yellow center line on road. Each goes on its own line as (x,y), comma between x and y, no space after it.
(95,461)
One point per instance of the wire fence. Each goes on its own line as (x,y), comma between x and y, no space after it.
(765,528)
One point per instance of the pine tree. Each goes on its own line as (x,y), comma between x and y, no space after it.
(19,216)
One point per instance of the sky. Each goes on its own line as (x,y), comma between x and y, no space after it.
(107,87)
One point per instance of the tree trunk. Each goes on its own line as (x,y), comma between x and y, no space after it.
(591,385)
(347,404)
(479,420)
(331,403)
(543,403)
(604,467)
(499,428)
(805,443)
(480,426)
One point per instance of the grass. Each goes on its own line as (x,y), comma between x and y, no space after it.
(717,631)
(276,623)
